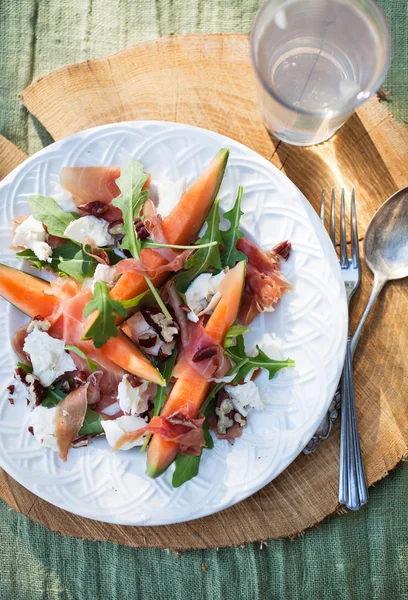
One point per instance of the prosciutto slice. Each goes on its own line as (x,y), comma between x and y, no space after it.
(177,428)
(71,411)
(264,283)
(88,184)
(198,349)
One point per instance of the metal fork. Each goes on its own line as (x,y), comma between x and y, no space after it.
(353,491)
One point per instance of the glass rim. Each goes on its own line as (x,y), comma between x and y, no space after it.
(321,112)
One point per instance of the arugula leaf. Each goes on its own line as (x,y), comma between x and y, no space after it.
(134,302)
(26,368)
(151,244)
(166,369)
(50,214)
(230,255)
(131,181)
(92,424)
(104,326)
(186,468)
(91,364)
(206,257)
(73,261)
(232,333)
(260,361)
(54,396)
(34,261)
(68,259)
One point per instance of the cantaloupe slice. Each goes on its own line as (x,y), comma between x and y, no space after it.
(28,294)
(191,387)
(181,226)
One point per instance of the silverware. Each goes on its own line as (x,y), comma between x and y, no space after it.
(353,491)
(386,254)
(385,249)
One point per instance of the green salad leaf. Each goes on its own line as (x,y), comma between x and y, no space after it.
(91,364)
(54,396)
(131,181)
(130,202)
(33,260)
(230,255)
(166,369)
(50,214)
(187,467)
(104,326)
(71,260)
(26,368)
(232,333)
(92,424)
(206,257)
(261,361)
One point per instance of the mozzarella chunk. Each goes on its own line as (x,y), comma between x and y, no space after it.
(245,396)
(102,273)
(42,420)
(30,234)
(90,227)
(114,429)
(169,193)
(203,294)
(65,200)
(47,356)
(133,400)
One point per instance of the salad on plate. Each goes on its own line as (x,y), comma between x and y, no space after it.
(138,333)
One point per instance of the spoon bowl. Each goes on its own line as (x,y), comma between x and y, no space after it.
(386,249)
(386,239)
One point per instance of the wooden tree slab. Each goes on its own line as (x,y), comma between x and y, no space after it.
(208,81)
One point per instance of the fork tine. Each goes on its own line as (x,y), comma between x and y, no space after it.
(333,218)
(343,238)
(322,201)
(355,252)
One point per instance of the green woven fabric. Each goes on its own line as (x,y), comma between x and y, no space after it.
(356,556)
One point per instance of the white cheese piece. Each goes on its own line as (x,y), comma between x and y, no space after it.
(102,273)
(65,200)
(141,327)
(42,420)
(245,396)
(114,429)
(169,193)
(133,400)
(90,227)
(30,234)
(203,295)
(48,356)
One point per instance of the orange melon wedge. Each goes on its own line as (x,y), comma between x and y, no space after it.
(181,226)
(29,294)
(191,387)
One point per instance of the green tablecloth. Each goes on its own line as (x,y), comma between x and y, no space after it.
(362,555)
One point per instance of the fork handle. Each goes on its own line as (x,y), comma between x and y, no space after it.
(353,491)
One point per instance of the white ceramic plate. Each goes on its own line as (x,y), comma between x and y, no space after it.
(309,326)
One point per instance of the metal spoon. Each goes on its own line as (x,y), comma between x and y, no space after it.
(385,249)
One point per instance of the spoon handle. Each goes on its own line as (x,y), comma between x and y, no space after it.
(353,491)
(379,283)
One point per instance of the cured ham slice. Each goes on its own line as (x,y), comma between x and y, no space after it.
(264,283)
(177,428)
(71,411)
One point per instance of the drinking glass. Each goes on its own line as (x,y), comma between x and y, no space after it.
(315,62)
